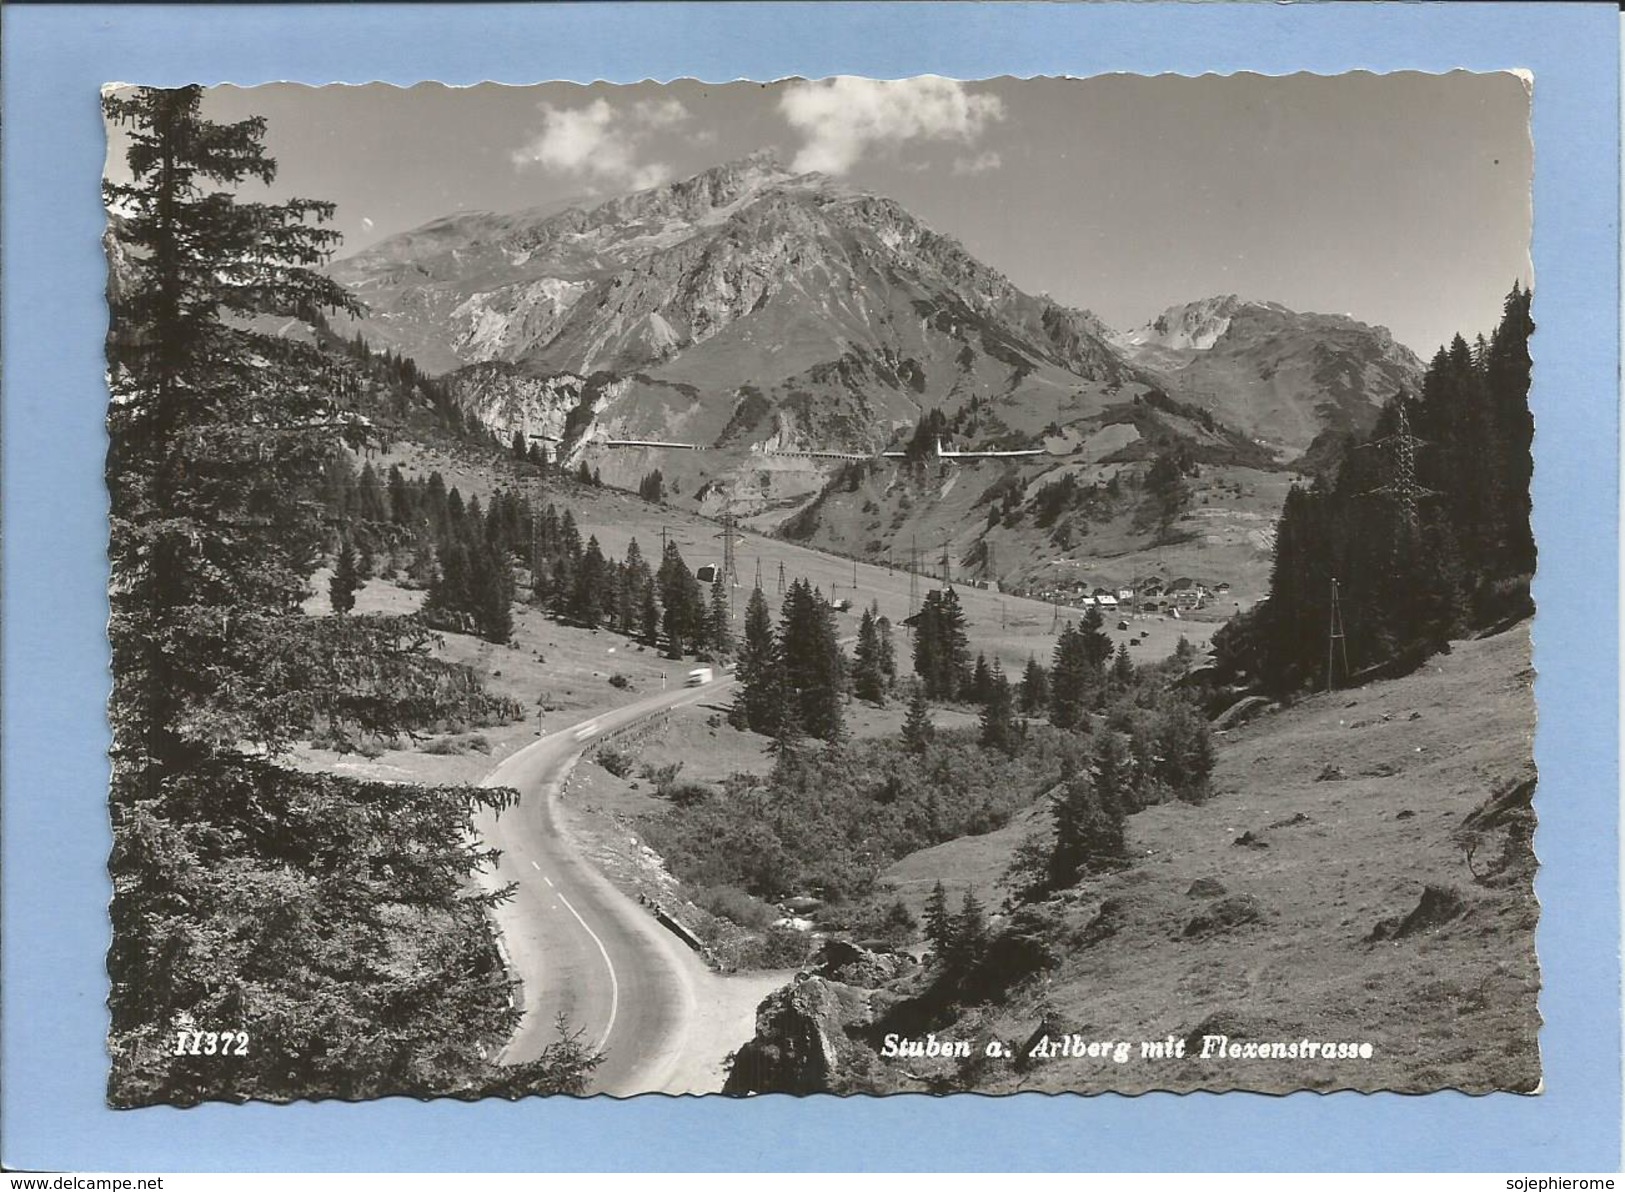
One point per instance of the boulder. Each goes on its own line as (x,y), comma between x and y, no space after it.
(852,964)
(1437,906)
(1225,915)
(804,1040)
(1206,887)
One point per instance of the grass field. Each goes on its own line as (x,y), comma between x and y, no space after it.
(1009,628)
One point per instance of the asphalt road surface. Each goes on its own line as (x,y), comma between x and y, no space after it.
(580,946)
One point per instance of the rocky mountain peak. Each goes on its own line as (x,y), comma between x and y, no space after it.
(1191,325)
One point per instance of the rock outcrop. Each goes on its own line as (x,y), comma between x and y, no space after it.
(805,1041)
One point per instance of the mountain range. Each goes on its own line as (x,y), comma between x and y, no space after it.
(753,306)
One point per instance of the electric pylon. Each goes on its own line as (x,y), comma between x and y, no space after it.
(1400,449)
(730,534)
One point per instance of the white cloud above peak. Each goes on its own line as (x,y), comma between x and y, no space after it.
(602,144)
(844,118)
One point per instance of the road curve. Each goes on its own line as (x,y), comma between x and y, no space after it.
(579,946)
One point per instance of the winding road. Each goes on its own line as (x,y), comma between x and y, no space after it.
(582,948)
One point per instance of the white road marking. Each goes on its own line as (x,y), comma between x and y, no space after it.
(548,880)
(614,985)
(536,867)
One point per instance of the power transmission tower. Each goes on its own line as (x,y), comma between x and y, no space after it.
(1400,450)
(1336,639)
(782,584)
(987,560)
(730,535)
(758,573)
(947,573)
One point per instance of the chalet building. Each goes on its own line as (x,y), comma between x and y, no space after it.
(1186,593)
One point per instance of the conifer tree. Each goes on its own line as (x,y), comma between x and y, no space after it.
(868,674)
(219,439)
(981,683)
(591,585)
(939,921)
(341,588)
(759,703)
(814,669)
(1069,679)
(1122,666)
(1088,835)
(888,651)
(998,730)
(1097,645)
(491,592)
(682,603)
(719,633)
(1034,696)
(970,937)
(918,731)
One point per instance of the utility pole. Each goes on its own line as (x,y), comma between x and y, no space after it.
(1336,638)
(758,573)
(947,574)
(913,577)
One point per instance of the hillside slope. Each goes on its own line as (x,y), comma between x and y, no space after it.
(1357,803)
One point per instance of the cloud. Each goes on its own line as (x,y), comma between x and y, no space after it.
(843,118)
(981,163)
(599,143)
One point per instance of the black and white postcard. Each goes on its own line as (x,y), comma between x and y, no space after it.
(844,586)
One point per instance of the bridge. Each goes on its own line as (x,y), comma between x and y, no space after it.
(940,452)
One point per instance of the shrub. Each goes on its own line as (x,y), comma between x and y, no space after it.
(880,917)
(778,948)
(617,761)
(730,902)
(458,745)
(620,682)
(663,777)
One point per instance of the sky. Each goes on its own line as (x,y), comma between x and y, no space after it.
(1399,199)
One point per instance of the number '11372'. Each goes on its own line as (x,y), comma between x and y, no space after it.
(211,1043)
